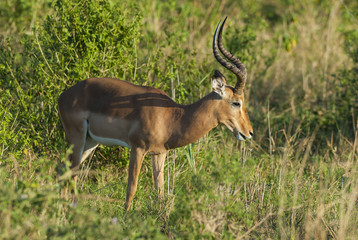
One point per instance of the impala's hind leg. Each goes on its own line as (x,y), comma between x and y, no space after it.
(76,134)
(75,130)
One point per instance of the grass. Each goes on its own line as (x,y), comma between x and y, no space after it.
(297,178)
(231,193)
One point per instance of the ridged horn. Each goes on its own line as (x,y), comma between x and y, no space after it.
(237,67)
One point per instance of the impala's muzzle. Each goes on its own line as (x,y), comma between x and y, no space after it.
(242,137)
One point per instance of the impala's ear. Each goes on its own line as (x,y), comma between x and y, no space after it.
(218,83)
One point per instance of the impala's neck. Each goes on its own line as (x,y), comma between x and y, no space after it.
(195,121)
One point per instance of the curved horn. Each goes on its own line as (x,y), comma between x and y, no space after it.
(220,59)
(238,68)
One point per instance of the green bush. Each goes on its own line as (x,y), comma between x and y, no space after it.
(83,39)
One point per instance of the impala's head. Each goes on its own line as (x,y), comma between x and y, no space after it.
(232,106)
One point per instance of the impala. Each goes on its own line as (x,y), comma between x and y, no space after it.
(113,112)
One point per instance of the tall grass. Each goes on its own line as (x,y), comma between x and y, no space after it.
(244,194)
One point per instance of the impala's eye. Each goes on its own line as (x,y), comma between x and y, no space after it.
(236,104)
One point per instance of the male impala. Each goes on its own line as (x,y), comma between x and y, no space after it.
(146,120)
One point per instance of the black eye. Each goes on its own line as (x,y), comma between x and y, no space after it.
(236,104)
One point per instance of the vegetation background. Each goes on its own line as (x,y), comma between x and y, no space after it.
(298,177)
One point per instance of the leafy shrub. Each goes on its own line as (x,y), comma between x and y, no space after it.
(84,38)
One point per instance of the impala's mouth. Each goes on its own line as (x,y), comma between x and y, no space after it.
(241,136)
(238,134)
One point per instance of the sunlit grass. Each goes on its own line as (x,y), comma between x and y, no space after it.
(231,193)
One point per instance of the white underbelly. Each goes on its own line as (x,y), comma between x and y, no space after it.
(108,141)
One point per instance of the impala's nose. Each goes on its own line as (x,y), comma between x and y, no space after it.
(250,133)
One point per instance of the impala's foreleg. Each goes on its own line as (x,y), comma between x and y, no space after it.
(135,163)
(158,172)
